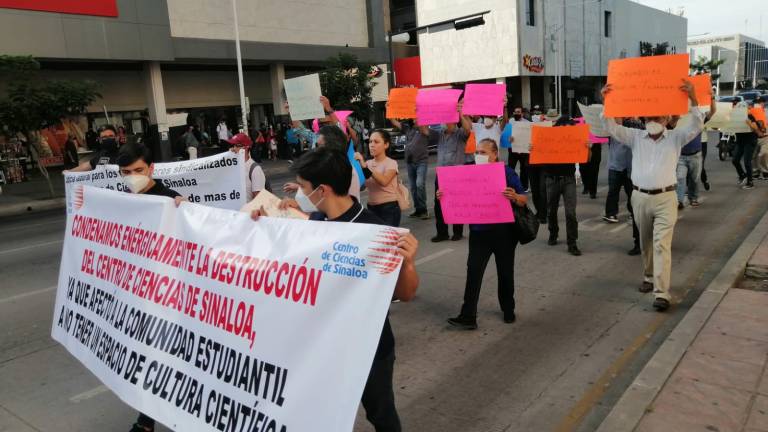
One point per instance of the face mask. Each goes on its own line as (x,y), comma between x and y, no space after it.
(109,144)
(517,116)
(481,159)
(489,121)
(305,204)
(136,182)
(654,128)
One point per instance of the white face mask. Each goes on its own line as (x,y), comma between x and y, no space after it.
(481,159)
(489,122)
(654,128)
(136,182)
(305,204)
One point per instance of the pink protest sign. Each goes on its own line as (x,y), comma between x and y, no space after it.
(341,115)
(594,139)
(484,99)
(472,194)
(437,106)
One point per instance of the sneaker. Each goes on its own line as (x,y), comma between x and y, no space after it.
(395,300)
(438,238)
(552,240)
(742,181)
(611,219)
(424,216)
(680,205)
(634,251)
(695,203)
(574,250)
(748,186)
(661,304)
(414,215)
(457,237)
(706,186)
(463,322)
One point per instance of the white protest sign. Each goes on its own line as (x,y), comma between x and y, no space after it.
(217,181)
(521,132)
(207,320)
(592,116)
(721,116)
(737,121)
(303,95)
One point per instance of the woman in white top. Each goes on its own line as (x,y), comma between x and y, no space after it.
(381,179)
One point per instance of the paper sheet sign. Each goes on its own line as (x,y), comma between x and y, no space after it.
(437,106)
(721,117)
(402,103)
(737,121)
(484,99)
(592,117)
(647,86)
(303,95)
(592,138)
(559,145)
(521,133)
(703,86)
(472,194)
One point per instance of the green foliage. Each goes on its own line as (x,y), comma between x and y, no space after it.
(32,104)
(703,65)
(347,84)
(648,49)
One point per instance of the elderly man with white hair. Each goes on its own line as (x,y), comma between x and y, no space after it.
(655,153)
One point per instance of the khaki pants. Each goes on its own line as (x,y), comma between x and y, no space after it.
(192,152)
(762,155)
(656,216)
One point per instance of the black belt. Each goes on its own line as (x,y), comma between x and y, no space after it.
(656,191)
(690,154)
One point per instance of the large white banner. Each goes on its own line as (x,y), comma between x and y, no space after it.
(206,320)
(216,181)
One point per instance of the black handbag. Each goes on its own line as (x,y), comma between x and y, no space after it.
(526,225)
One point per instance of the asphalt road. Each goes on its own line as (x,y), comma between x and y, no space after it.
(583,329)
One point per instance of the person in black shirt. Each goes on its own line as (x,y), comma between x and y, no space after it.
(560,180)
(136,167)
(323,176)
(108,153)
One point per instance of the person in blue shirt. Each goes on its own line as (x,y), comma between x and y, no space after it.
(485,240)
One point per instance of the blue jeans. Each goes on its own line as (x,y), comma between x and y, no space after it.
(417,182)
(688,173)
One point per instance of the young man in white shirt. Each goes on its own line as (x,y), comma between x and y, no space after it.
(255,180)
(222,130)
(655,153)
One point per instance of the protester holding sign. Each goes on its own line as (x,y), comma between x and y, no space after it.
(489,127)
(381,179)
(655,152)
(323,176)
(560,180)
(108,153)
(517,153)
(417,157)
(498,240)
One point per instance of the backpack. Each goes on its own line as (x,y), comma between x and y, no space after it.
(267,186)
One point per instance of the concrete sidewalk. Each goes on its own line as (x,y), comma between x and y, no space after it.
(710,374)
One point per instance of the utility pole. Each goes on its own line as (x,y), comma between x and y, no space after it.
(243,107)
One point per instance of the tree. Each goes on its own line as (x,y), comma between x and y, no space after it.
(347,83)
(703,65)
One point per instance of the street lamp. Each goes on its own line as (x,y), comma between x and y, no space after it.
(754,72)
(459,23)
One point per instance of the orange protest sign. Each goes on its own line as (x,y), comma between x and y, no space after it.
(559,145)
(647,86)
(703,86)
(402,103)
(471,146)
(759,115)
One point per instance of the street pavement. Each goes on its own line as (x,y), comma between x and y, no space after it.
(583,329)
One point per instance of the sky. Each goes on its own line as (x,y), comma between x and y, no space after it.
(719,17)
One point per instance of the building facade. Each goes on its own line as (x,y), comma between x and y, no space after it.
(528,43)
(746,59)
(167,56)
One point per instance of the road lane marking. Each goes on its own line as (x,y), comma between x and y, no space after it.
(27,294)
(618,228)
(33,225)
(30,246)
(89,394)
(433,256)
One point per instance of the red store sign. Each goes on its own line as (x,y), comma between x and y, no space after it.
(106,8)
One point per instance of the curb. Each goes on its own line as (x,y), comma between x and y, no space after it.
(629,410)
(32,206)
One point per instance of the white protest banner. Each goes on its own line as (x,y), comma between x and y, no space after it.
(521,132)
(217,181)
(303,95)
(207,320)
(737,121)
(721,116)
(591,115)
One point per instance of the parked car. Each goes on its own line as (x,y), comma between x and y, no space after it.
(730,99)
(750,95)
(397,148)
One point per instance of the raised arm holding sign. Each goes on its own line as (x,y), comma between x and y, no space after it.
(702,84)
